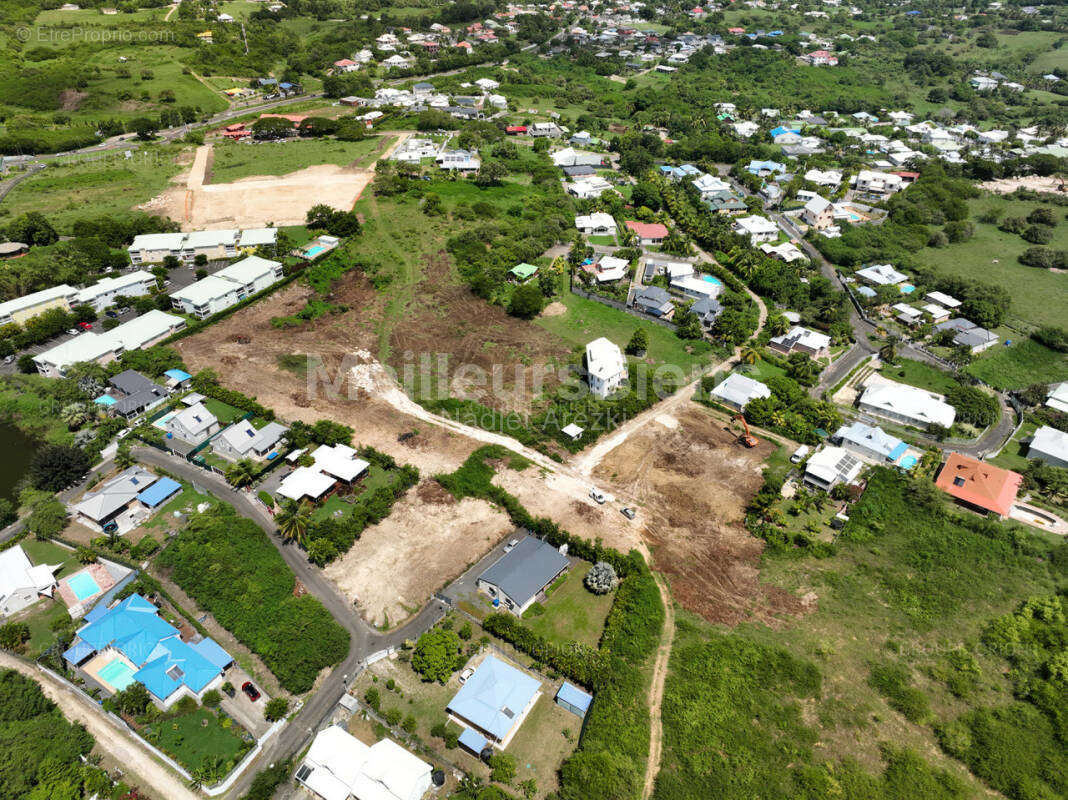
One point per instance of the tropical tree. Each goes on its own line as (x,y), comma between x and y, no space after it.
(241,472)
(749,355)
(293,521)
(74,415)
(124,458)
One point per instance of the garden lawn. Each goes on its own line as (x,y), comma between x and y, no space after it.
(572,612)
(1014,454)
(223,411)
(375,479)
(1032,289)
(1016,367)
(45,612)
(587,320)
(232,161)
(45,552)
(197,739)
(187,499)
(917,373)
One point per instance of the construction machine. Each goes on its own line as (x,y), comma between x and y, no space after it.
(746,438)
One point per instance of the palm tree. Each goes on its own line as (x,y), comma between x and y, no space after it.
(124,458)
(778,325)
(749,355)
(74,415)
(293,520)
(888,352)
(241,473)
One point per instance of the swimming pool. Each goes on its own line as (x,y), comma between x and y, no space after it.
(712,279)
(908,462)
(312,252)
(161,423)
(83,585)
(117,674)
(907,288)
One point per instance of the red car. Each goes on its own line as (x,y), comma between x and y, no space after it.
(252,692)
(85,326)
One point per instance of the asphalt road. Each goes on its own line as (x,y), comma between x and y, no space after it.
(365,640)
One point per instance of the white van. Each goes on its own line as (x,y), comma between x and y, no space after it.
(800,454)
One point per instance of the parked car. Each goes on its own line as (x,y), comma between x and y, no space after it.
(73,331)
(598,496)
(8,359)
(112,314)
(799,454)
(252,692)
(508,548)
(629,513)
(85,326)
(467,673)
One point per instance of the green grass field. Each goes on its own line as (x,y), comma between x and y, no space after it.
(376,478)
(586,320)
(990,255)
(197,739)
(223,411)
(1018,366)
(572,612)
(109,186)
(1014,455)
(232,161)
(917,373)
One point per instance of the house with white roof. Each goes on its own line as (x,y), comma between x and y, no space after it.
(758,229)
(1058,397)
(942,299)
(102,294)
(21,309)
(830,466)
(873,182)
(570,157)
(192,424)
(695,286)
(339,766)
(610,268)
(207,296)
(818,212)
(907,314)
(332,464)
(144,331)
(802,340)
(870,442)
(152,248)
(1049,445)
(881,275)
(737,390)
(588,187)
(907,405)
(213,245)
(21,583)
(252,275)
(831,177)
(786,251)
(243,440)
(596,224)
(606,368)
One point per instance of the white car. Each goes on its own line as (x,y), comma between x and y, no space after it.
(598,496)
(508,548)
(467,673)
(73,331)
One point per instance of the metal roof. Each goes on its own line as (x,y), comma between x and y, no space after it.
(524,571)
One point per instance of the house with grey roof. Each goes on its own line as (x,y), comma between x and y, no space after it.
(736,390)
(654,301)
(242,440)
(193,424)
(132,394)
(518,577)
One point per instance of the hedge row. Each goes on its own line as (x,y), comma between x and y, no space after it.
(578,662)
(209,387)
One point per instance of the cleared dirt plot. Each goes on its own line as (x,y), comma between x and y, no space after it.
(397,564)
(693,481)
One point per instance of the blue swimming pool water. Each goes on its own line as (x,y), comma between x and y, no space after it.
(312,252)
(712,279)
(83,585)
(117,674)
(908,462)
(907,288)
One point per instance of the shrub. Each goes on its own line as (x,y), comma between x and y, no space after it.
(1037,234)
(393,717)
(601,579)
(892,681)
(276,709)
(211,698)
(503,767)
(436,654)
(409,724)
(373,699)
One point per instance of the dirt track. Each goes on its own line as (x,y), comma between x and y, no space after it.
(256,201)
(694,481)
(122,746)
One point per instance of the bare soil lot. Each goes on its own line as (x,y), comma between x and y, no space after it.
(397,564)
(693,481)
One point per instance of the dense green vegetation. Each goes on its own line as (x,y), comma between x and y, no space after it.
(40,751)
(230,568)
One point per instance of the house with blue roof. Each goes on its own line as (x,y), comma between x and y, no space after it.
(871,443)
(779,131)
(493,703)
(131,643)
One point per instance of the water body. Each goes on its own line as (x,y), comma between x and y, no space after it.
(16,450)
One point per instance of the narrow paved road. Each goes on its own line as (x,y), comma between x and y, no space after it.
(136,759)
(365,640)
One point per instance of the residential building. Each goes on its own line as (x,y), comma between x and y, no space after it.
(131,394)
(707,310)
(192,424)
(520,576)
(610,268)
(521,273)
(830,466)
(870,442)
(21,583)
(494,701)
(820,58)
(818,212)
(872,182)
(252,275)
(649,233)
(1057,398)
(830,178)
(802,340)
(333,465)
(979,485)
(1049,445)
(606,368)
(213,245)
(339,766)
(242,440)
(570,157)
(758,229)
(102,506)
(907,314)
(153,248)
(881,275)
(737,390)
(700,287)
(907,405)
(588,187)
(102,294)
(103,348)
(943,300)
(458,161)
(786,251)
(654,301)
(207,296)
(596,224)
(148,650)
(21,309)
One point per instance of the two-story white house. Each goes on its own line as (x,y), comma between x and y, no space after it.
(606,368)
